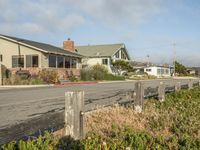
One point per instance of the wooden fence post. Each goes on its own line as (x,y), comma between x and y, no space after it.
(177,86)
(190,84)
(139,101)
(74,114)
(1,76)
(161,92)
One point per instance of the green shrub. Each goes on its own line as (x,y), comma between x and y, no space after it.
(73,78)
(87,74)
(36,81)
(46,142)
(123,65)
(99,72)
(112,77)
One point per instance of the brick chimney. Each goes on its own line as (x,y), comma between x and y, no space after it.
(69,45)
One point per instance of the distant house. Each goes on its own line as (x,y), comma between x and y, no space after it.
(158,71)
(103,54)
(21,54)
(139,66)
(191,71)
(194,71)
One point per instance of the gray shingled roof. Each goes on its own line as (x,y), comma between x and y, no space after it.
(98,50)
(45,47)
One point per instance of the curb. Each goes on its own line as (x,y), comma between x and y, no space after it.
(75,83)
(23,86)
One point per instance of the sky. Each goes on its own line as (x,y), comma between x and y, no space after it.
(146,27)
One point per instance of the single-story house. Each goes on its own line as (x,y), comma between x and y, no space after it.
(158,71)
(193,70)
(103,55)
(21,54)
(139,66)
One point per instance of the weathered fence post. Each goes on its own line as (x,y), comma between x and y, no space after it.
(161,92)
(177,86)
(74,114)
(139,101)
(1,76)
(190,84)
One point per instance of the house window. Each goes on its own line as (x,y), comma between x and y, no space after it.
(104,61)
(162,71)
(67,62)
(123,55)
(167,71)
(158,71)
(60,62)
(18,61)
(148,70)
(52,61)
(1,58)
(117,55)
(31,61)
(74,62)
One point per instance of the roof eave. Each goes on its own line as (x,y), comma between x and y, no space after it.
(33,47)
(65,54)
(18,42)
(122,46)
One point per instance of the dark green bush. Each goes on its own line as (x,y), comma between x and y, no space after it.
(98,72)
(112,77)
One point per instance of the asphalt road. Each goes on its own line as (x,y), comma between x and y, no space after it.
(18,105)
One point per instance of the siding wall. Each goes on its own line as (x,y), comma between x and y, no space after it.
(94,61)
(154,71)
(8,49)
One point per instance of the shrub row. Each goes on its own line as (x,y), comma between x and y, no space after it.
(98,72)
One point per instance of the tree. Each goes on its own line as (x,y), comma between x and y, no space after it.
(123,65)
(180,68)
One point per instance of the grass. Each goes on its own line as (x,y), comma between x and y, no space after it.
(173,124)
(111,77)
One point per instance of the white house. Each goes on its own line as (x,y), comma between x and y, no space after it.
(158,71)
(103,54)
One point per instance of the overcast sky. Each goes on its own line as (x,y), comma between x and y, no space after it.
(147,27)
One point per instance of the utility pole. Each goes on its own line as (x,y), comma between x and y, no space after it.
(174,61)
(148,60)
